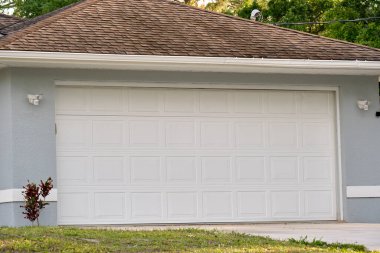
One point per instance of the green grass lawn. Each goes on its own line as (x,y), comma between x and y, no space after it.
(63,239)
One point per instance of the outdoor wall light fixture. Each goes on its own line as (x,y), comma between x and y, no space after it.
(35,99)
(363,105)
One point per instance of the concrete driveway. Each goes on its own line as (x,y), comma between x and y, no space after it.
(364,234)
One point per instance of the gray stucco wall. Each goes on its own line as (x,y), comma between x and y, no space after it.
(33,140)
(5,131)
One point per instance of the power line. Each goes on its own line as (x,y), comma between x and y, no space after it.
(328,22)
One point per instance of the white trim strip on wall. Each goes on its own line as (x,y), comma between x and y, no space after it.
(363,191)
(15,195)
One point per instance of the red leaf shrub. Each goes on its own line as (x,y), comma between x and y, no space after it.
(34,197)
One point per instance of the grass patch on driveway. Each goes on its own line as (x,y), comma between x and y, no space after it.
(65,239)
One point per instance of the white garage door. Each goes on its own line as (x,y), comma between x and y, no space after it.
(160,155)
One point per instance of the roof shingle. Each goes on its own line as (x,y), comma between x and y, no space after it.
(163,27)
(6,20)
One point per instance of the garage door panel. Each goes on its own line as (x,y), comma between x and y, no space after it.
(108,133)
(217,204)
(318,170)
(248,102)
(216,169)
(144,133)
(74,133)
(252,204)
(285,204)
(181,170)
(250,169)
(215,134)
(181,134)
(143,100)
(107,100)
(145,170)
(73,170)
(315,102)
(74,206)
(182,205)
(249,135)
(146,205)
(180,101)
(284,170)
(214,101)
(283,135)
(188,155)
(110,205)
(109,170)
(281,102)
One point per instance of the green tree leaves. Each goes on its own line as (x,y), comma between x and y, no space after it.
(34,8)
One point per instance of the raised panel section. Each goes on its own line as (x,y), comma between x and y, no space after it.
(145,170)
(146,205)
(144,133)
(317,169)
(179,101)
(72,133)
(285,204)
(315,102)
(316,135)
(248,102)
(108,100)
(250,169)
(107,133)
(73,170)
(71,99)
(214,134)
(73,206)
(216,169)
(182,205)
(283,135)
(251,204)
(217,204)
(180,134)
(281,102)
(214,101)
(284,169)
(319,203)
(109,205)
(144,100)
(109,170)
(181,170)
(249,135)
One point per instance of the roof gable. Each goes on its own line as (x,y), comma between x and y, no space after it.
(162,27)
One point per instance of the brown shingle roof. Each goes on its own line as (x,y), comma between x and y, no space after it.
(163,27)
(6,20)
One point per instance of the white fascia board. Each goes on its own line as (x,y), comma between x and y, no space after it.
(186,63)
(15,195)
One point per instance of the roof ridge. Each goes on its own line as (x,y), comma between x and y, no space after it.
(39,22)
(272,26)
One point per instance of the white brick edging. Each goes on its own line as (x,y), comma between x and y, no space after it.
(15,195)
(363,191)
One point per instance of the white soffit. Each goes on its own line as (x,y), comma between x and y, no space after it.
(186,63)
